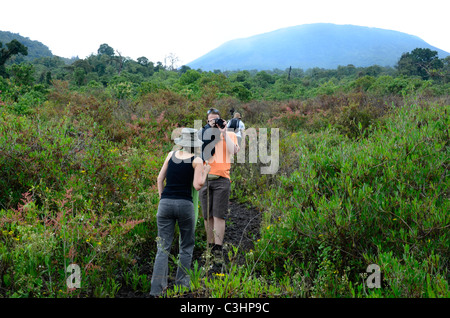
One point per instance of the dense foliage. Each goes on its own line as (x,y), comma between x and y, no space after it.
(35,48)
(363,176)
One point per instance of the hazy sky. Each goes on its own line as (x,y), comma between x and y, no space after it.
(191,28)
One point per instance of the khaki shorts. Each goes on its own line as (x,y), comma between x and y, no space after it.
(219,196)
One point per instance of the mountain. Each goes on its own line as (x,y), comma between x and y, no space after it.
(35,48)
(322,45)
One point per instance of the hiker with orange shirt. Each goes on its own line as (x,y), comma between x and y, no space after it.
(219,183)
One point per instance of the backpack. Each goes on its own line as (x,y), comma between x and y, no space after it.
(207,137)
(234,124)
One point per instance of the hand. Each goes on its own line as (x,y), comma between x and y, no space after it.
(206,168)
(224,129)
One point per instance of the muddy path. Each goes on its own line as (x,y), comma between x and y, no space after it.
(242,231)
(245,226)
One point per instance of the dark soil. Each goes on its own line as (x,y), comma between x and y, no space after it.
(244,226)
(242,230)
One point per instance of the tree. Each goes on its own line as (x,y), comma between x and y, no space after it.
(264,79)
(143,60)
(189,77)
(172,59)
(12,48)
(420,62)
(446,69)
(159,66)
(105,49)
(22,74)
(120,61)
(183,69)
(84,64)
(79,76)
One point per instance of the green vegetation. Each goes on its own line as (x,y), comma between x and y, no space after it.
(363,178)
(35,48)
(12,48)
(378,198)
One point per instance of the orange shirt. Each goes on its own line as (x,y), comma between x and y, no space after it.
(220,163)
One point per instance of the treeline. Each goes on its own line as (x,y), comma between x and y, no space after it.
(36,49)
(26,83)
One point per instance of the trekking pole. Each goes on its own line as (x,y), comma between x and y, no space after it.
(207,205)
(207,227)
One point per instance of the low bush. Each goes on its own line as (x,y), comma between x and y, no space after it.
(352,199)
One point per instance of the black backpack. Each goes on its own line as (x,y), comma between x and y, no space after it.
(207,137)
(234,124)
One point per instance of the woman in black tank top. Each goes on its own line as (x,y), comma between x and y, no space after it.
(181,171)
(179,177)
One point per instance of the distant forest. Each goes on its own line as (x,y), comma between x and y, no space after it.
(35,48)
(418,70)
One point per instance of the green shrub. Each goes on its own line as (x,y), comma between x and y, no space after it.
(364,197)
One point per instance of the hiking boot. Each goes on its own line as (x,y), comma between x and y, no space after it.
(217,253)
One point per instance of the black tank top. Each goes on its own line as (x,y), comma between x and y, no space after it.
(179,178)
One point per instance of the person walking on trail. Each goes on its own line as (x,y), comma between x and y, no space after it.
(237,126)
(218,186)
(182,171)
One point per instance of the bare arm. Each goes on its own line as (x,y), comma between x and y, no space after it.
(163,173)
(232,148)
(200,173)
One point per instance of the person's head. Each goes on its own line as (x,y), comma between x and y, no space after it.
(237,115)
(212,115)
(189,140)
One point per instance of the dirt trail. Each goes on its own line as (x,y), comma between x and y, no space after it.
(244,227)
(242,230)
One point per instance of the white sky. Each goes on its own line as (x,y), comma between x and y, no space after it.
(192,28)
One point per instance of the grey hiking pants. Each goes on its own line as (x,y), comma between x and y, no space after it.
(171,211)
